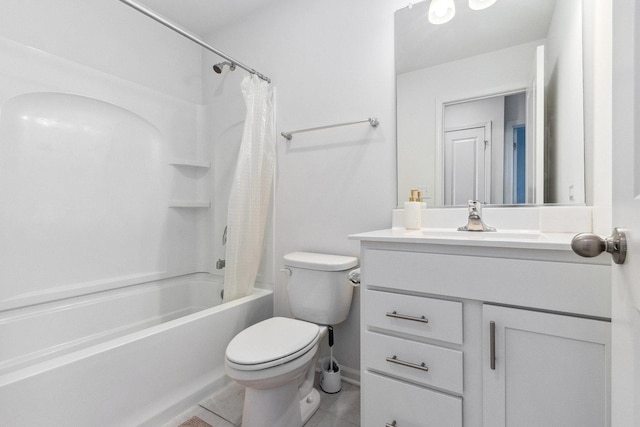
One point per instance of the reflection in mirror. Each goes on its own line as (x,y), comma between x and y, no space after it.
(490,104)
(484,148)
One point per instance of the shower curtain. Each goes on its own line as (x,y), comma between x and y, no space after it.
(251,190)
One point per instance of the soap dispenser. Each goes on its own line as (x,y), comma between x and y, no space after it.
(412,214)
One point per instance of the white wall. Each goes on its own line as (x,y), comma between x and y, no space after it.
(331,62)
(107,51)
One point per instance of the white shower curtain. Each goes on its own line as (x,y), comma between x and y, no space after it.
(251,190)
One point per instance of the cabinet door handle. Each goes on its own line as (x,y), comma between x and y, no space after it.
(420,319)
(394,359)
(492,345)
(391,424)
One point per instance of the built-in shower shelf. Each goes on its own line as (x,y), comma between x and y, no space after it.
(190,163)
(189,204)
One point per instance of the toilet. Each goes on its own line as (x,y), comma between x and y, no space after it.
(275,359)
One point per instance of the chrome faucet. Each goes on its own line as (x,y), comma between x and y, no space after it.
(475,222)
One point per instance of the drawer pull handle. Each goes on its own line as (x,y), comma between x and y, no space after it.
(394,359)
(420,319)
(393,424)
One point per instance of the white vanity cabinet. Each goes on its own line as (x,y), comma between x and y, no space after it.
(411,379)
(465,333)
(544,369)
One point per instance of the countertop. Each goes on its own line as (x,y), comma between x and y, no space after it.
(521,239)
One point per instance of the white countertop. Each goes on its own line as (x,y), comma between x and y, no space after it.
(521,239)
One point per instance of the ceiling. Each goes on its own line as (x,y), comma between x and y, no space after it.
(203,16)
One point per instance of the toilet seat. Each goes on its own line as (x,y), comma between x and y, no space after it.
(271,342)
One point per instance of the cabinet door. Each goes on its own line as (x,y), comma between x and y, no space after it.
(548,370)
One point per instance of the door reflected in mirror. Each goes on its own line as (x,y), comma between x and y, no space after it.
(486,156)
(518,53)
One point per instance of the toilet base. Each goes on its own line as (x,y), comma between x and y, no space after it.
(278,407)
(309,405)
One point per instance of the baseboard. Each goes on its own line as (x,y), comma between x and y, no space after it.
(350,375)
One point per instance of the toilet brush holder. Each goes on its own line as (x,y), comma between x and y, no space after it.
(330,381)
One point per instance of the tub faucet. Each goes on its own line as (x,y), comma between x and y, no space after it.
(221,263)
(475,222)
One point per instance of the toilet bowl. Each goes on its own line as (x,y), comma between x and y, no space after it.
(275,359)
(272,360)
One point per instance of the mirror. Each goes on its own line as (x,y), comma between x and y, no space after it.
(490,103)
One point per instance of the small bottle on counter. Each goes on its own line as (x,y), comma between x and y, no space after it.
(412,214)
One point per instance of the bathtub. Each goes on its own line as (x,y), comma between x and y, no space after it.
(127,357)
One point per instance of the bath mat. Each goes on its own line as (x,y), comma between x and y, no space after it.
(195,422)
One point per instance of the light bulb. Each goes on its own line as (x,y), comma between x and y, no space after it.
(441,11)
(480,4)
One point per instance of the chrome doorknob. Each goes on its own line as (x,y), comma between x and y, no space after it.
(590,245)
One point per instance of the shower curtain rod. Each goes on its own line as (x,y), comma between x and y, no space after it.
(151,14)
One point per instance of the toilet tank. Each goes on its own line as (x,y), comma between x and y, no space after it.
(319,290)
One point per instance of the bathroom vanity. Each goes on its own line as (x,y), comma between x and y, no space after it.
(483,329)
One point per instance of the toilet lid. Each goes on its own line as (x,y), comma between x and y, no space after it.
(322,262)
(272,342)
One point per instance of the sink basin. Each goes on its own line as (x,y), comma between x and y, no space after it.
(482,235)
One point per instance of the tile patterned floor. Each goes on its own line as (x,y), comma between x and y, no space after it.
(224,408)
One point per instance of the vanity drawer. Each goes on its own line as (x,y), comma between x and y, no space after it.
(556,286)
(442,319)
(415,361)
(386,400)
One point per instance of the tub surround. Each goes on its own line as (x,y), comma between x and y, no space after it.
(89,215)
(112,228)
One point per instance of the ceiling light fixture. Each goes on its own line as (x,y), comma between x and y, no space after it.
(441,11)
(480,4)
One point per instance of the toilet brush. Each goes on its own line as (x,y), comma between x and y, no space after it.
(333,364)
(330,381)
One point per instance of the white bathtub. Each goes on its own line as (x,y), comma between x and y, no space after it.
(126,357)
